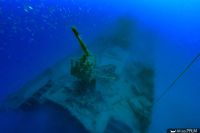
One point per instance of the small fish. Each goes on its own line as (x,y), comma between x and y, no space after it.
(28,8)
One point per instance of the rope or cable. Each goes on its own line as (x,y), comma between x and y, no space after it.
(178,77)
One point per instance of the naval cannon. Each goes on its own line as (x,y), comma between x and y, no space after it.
(83,68)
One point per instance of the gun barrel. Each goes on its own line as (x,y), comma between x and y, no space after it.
(83,46)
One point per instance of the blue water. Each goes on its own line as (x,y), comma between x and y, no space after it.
(35,34)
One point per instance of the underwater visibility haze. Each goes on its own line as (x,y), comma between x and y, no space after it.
(99,66)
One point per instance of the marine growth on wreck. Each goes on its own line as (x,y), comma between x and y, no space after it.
(107,96)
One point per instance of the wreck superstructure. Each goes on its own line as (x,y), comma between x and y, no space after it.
(104,97)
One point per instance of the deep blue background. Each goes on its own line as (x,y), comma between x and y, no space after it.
(34,34)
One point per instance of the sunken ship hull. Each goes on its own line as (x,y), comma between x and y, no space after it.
(104,96)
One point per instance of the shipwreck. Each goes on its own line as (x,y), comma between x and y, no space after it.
(104,97)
